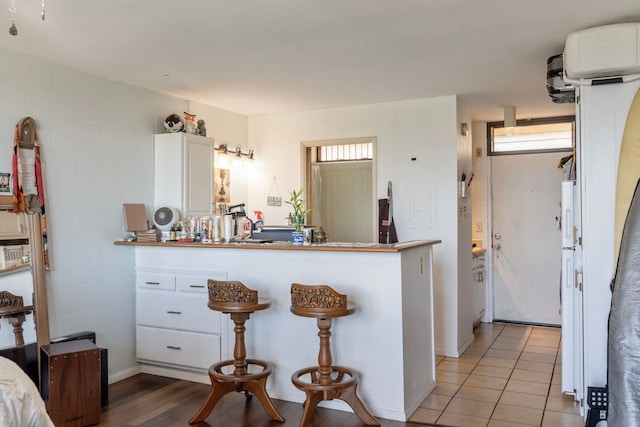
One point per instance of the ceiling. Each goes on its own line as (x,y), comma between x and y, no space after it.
(270,56)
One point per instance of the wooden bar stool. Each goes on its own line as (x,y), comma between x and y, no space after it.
(326,382)
(239,301)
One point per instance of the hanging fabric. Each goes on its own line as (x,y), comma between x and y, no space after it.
(386,227)
(28,186)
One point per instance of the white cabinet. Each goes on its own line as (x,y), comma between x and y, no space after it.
(183,175)
(478,285)
(174,325)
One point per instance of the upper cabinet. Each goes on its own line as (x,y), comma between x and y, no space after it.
(183,175)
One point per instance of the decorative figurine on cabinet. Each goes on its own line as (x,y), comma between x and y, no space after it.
(173,123)
(190,123)
(201,129)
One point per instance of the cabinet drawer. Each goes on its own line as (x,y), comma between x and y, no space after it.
(187,349)
(156,281)
(198,283)
(176,311)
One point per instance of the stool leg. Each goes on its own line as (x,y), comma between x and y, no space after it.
(324,354)
(218,390)
(313,398)
(239,349)
(259,388)
(350,395)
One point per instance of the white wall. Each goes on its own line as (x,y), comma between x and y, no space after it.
(480,219)
(466,286)
(97,148)
(480,186)
(425,195)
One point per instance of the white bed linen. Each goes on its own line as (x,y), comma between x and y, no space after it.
(20,401)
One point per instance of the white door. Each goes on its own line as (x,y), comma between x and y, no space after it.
(526,241)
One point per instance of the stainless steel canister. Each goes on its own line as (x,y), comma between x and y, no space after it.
(308,236)
(205,230)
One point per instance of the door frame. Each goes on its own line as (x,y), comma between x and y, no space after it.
(489,258)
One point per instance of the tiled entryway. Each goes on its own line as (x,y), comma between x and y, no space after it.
(509,377)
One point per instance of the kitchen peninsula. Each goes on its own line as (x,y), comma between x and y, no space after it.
(389,340)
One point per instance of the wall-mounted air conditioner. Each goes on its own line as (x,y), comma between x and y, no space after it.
(606,54)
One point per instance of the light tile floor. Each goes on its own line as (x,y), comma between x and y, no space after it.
(509,377)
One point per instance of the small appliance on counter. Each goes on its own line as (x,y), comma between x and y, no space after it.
(241,224)
(165,219)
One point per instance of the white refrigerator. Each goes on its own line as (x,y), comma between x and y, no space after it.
(571,295)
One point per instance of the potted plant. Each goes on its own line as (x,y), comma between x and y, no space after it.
(297,217)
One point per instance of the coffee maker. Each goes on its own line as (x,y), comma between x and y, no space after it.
(240,219)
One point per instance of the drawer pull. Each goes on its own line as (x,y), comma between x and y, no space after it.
(173,347)
(196,286)
(173,312)
(152,283)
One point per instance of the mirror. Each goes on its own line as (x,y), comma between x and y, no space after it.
(15,279)
(340,185)
(20,237)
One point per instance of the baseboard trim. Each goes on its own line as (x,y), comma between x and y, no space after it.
(176,373)
(466,345)
(125,373)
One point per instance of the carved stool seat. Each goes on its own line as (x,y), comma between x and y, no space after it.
(12,308)
(236,299)
(325,381)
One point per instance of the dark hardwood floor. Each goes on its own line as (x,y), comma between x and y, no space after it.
(153,401)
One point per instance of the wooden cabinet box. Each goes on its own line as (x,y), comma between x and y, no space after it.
(70,382)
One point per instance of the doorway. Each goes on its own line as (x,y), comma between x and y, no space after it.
(526,240)
(340,181)
(525,187)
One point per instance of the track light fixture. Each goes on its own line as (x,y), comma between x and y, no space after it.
(224,149)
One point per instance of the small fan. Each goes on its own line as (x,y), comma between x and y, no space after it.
(165,218)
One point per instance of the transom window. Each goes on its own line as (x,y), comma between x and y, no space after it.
(345,152)
(531,136)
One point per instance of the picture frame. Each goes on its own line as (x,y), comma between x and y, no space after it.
(222,186)
(5,180)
